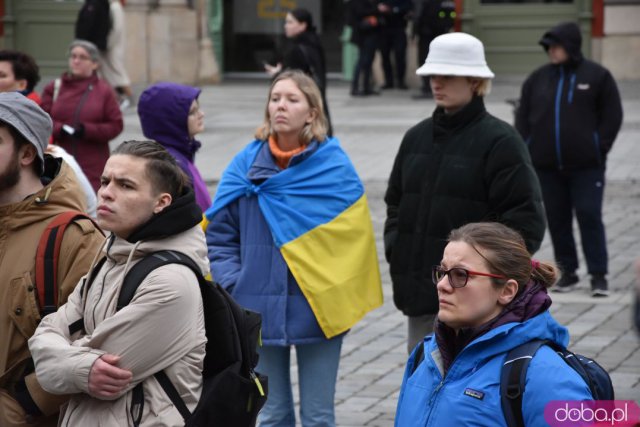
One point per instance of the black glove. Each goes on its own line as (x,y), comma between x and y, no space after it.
(79,130)
(76,131)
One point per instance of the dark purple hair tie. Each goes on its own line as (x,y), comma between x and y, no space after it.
(535,264)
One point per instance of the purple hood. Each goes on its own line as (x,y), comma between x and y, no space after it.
(164,109)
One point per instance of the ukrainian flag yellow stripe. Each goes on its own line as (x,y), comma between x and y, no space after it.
(336,267)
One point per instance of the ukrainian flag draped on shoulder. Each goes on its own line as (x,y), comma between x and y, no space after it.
(319,219)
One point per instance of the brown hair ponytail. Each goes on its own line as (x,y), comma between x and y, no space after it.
(505,253)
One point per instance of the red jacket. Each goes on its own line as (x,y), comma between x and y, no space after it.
(33,95)
(89,102)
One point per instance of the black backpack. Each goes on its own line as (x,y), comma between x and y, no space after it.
(514,374)
(232,392)
(94,23)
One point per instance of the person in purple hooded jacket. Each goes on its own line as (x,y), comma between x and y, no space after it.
(170,115)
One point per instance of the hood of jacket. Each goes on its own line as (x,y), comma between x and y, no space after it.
(567,35)
(164,109)
(182,214)
(61,191)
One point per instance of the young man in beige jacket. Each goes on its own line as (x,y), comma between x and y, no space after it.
(145,202)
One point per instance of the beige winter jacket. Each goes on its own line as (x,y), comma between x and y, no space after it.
(161,329)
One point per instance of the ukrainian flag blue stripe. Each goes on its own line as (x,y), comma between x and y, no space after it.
(299,198)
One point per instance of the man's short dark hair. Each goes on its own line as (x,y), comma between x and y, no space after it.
(20,141)
(24,67)
(163,170)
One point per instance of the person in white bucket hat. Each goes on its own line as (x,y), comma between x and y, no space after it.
(458,166)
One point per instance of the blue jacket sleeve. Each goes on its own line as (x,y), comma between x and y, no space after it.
(223,242)
(549,378)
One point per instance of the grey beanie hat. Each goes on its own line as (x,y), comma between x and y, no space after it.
(26,117)
(91,48)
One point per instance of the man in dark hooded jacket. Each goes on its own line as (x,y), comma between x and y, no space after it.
(570,113)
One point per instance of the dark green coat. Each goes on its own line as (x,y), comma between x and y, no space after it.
(449,171)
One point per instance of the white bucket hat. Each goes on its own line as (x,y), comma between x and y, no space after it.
(456,54)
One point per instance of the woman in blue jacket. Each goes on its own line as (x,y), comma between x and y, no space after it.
(290,237)
(492,298)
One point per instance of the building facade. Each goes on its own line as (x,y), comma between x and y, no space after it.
(199,41)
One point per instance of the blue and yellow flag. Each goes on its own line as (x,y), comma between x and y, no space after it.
(319,219)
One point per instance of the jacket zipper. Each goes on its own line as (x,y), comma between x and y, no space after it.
(435,392)
(572,86)
(432,399)
(76,115)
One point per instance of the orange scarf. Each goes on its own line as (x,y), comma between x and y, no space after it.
(283,157)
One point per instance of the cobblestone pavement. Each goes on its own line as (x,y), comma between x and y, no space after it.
(370,129)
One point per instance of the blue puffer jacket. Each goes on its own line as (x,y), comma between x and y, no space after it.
(426,399)
(246,262)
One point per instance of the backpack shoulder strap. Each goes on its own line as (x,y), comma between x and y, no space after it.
(173,394)
(57,83)
(419,356)
(78,325)
(138,272)
(512,381)
(47,259)
(132,281)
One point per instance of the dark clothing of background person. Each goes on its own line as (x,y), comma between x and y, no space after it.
(449,171)
(305,53)
(364,20)
(433,18)
(393,38)
(569,116)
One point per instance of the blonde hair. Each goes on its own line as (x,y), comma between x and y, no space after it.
(484,86)
(505,253)
(317,129)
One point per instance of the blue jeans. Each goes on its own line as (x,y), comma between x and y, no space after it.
(317,374)
(581,191)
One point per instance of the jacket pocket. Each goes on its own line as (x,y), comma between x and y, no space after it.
(23,308)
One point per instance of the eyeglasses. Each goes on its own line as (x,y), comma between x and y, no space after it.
(458,277)
(79,57)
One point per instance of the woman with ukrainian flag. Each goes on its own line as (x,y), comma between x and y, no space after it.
(290,236)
